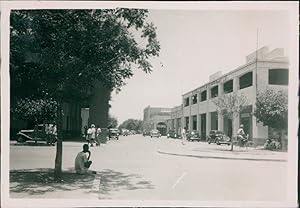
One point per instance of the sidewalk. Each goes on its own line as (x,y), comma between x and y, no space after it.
(39,183)
(213,151)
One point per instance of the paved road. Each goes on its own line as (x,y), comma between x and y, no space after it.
(132,169)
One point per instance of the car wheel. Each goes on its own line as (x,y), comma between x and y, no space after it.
(217,142)
(21,139)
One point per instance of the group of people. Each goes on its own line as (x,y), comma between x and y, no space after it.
(51,133)
(92,135)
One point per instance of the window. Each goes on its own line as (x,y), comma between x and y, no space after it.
(194,99)
(228,86)
(186,102)
(203,125)
(214,91)
(203,95)
(187,122)
(194,119)
(214,121)
(246,80)
(178,123)
(279,76)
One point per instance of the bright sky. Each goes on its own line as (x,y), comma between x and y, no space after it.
(194,45)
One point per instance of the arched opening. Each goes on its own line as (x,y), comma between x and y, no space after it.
(162,128)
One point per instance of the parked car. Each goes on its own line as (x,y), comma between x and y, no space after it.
(146,133)
(113,133)
(193,136)
(38,134)
(132,132)
(155,133)
(218,137)
(172,134)
(125,132)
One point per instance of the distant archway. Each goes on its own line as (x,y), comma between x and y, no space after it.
(162,128)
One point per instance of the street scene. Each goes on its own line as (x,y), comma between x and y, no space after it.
(144,168)
(136,103)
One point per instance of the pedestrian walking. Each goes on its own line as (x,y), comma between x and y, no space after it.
(85,129)
(183,136)
(89,134)
(53,133)
(92,135)
(98,131)
(47,132)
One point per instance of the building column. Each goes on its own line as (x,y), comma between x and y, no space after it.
(235,84)
(235,124)
(198,122)
(220,122)
(254,127)
(220,89)
(208,122)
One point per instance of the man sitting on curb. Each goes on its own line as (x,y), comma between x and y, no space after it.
(82,162)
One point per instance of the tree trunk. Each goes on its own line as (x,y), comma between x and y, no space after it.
(58,157)
(282,141)
(232,138)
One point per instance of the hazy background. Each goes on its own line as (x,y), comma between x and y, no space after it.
(194,45)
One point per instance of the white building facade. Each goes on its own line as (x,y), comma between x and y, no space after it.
(198,112)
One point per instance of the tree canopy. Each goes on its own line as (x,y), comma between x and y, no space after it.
(132,124)
(62,53)
(272,108)
(37,110)
(230,105)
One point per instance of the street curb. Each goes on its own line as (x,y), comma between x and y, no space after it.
(218,157)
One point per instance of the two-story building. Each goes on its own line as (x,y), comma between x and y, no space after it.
(263,69)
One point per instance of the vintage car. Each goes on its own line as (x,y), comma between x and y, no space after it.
(218,137)
(39,134)
(113,133)
(193,136)
(172,134)
(146,133)
(155,133)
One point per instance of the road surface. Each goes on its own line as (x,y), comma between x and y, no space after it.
(132,169)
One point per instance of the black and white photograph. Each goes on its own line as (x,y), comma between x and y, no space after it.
(149,104)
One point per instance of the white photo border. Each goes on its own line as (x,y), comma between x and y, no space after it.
(290,7)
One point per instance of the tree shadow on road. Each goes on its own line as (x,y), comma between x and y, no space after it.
(114,181)
(41,181)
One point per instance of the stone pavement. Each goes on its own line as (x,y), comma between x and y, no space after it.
(213,151)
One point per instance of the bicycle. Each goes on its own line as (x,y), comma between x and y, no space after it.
(243,143)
